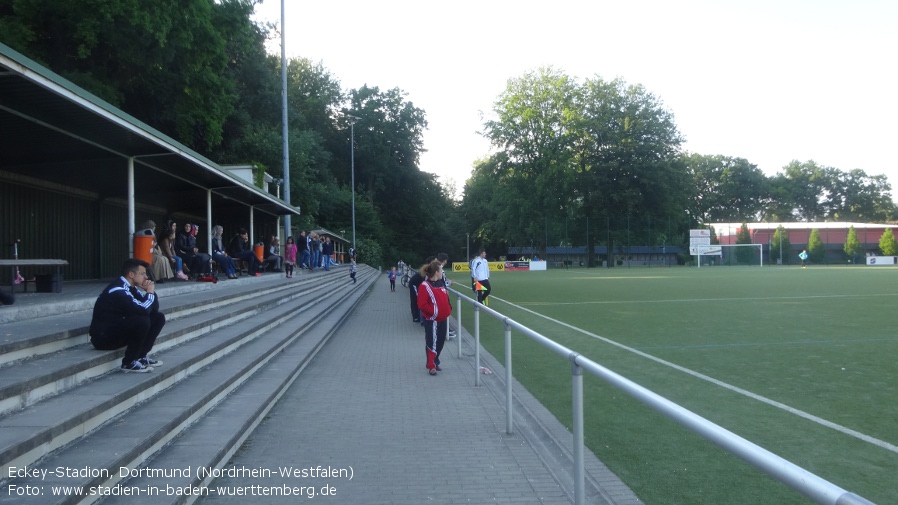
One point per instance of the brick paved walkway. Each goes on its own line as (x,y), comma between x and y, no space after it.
(367,403)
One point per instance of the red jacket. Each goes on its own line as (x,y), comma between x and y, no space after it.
(433,300)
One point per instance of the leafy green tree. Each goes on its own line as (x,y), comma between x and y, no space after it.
(165,62)
(534,133)
(597,150)
(806,183)
(855,196)
(852,244)
(807,191)
(725,189)
(627,154)
(887,244)
(816,249)
(744,255)
(780,247)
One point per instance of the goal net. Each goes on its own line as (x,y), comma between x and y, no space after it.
(730,255)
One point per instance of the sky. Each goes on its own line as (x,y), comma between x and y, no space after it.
(770,81)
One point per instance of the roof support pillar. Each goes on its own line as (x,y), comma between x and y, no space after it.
(209,221)
(131,207)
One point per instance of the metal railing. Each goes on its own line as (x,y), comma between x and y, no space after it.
(816,488)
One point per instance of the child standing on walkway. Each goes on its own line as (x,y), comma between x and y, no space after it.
(352,270)
(289,257)
(392,275)
(433,300)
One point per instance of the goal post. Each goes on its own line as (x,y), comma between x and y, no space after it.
(731,254)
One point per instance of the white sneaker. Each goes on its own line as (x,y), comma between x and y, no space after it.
(149,362)
(136,367)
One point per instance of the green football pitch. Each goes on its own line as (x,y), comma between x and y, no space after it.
(803,362)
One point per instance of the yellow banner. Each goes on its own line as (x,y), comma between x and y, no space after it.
(464,267)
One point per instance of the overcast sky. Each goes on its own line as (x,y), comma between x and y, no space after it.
(766,80)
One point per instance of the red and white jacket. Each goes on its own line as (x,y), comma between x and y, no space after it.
(433,300)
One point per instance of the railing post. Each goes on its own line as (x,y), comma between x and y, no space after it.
(509,412)
(476,346)
(458,318)
(577,406)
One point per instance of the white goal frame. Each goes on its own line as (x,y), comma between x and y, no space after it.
(722,246)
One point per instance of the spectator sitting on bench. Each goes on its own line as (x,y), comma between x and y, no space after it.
(239,248)
(220,256)
(160,268)
(166,244)
(125,317)
(185,246)
(272,258)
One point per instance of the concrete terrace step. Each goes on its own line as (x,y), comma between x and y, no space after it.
(230,390)
(236,417)
(31,328)
(188,316)
(30,433)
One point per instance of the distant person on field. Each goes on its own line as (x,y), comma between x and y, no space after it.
(803,256)
(126,314)
(481,275)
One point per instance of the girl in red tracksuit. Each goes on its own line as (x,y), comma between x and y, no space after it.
(433,300)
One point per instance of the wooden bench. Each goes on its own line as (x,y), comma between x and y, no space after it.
(35,263)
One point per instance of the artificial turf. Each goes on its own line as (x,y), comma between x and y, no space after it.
(792,349)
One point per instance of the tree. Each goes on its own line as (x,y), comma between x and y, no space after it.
(887,244)
(725,189)
(781,248)
(534,133)
(744,255)
(807,191)
(806,184)
(852,244)
(627,154)
(597,150)
(855,196)
(816,249)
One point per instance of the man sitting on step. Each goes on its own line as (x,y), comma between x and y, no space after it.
(126,317)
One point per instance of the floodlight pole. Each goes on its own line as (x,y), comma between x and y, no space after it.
(352,121)
(286,143)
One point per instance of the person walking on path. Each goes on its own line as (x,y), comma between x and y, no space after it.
(352,270)
(392,276)
(433,300)
(125,317)
(482,277)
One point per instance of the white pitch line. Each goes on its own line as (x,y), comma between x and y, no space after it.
(823,422)
(693,300)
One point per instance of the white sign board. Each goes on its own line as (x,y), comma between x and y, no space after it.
(699,241)
(706,250)
(703,232)
(882,260)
